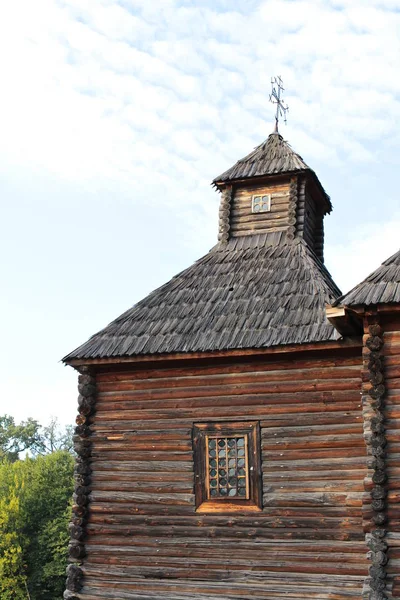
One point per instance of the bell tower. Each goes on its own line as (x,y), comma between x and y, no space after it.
(273,190)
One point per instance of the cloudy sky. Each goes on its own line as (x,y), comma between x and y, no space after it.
(116,115)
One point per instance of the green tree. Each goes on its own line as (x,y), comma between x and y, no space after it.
(18,438)
(30,436)
(12,539)
(47,508)
(35,508)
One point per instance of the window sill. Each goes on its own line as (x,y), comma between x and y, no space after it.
(227,507)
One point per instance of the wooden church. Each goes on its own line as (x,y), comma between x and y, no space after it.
(238,429)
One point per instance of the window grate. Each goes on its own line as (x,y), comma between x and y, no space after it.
(227,467)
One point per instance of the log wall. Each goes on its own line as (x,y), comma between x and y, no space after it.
(391,353)
(310,220)
(381,416)
(244,222)
(144,538)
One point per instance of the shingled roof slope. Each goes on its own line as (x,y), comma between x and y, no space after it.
(267,294)
(381,287)
(274,156)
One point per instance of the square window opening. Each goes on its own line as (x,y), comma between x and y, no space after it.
(261,203)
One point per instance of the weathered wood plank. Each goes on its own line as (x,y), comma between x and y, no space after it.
(143,522)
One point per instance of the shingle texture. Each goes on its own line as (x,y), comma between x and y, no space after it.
(272,157)
(254,293)
(381,287)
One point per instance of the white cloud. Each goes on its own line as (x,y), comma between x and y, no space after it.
(135,106)
(89,68)
(370,245)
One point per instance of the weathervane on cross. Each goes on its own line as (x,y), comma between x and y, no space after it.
(275,98)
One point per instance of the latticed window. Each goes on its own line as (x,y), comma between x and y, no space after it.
(227,466)
(261,203)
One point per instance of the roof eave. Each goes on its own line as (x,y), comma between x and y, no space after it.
(360,308)
(348,342)
(219,184)
(346,321)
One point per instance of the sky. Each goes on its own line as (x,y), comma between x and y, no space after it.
(116,115)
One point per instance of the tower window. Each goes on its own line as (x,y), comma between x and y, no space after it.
(261,203)
(227,466)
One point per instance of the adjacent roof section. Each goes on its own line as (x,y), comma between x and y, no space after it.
(381,287)
(266,294)
(273,157)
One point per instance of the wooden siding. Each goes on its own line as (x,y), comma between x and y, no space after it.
(244,222)
(391,352)
(145,539)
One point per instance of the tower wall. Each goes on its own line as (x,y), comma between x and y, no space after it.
(244,222)
(310,219)
(293,210)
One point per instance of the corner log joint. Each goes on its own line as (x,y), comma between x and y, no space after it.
(374,432)
(82,476)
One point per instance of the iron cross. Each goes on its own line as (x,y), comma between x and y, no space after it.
(275,98)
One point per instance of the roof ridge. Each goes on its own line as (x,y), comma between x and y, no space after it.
(318,266)
(394,256)
(272,137)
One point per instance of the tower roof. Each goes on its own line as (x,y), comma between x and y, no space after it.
(381,287)
(273,157)
(253,292)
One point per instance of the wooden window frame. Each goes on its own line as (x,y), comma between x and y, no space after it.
(249,429)
(253,204)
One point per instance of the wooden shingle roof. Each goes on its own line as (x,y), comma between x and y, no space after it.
(253,292)
(274,156)
(381,287)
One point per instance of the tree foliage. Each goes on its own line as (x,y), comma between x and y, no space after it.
(35,507)
(12,540)
(30,436)
(48,507)
(18,438)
